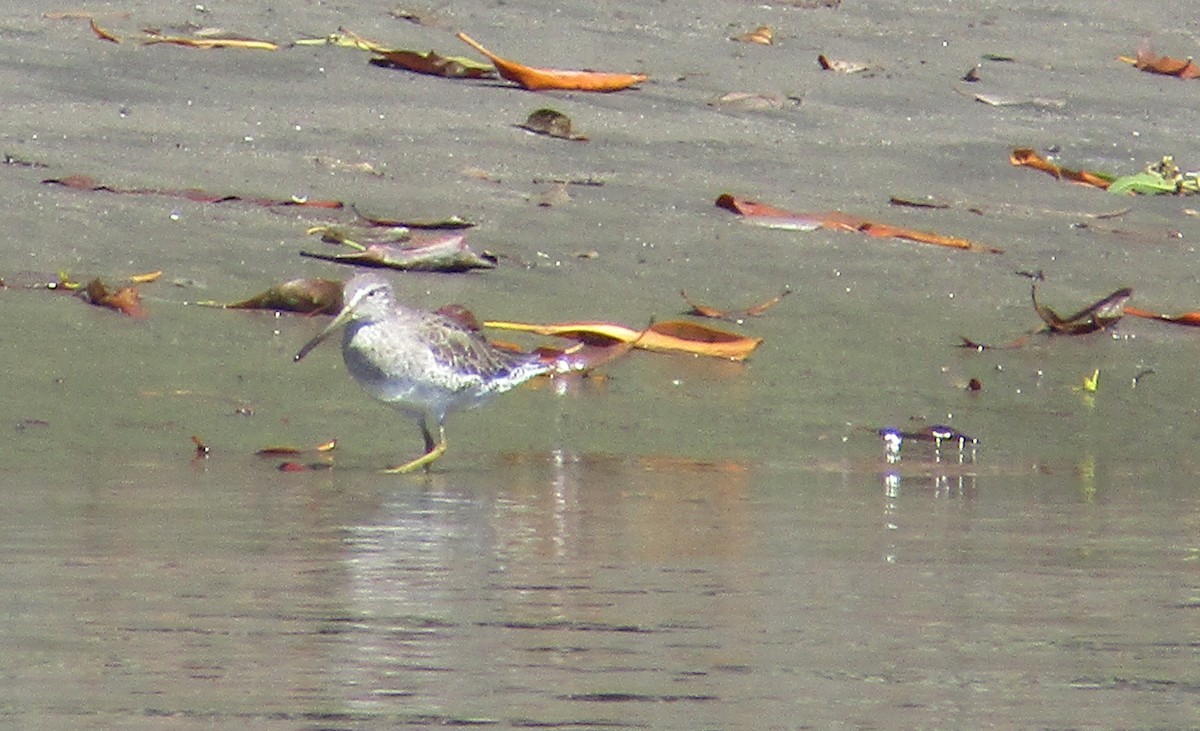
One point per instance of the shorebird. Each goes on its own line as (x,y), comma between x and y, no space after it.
(422,363)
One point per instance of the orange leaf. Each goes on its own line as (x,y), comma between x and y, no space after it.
(101,33)
(838,221)
(673,336)
(1182,68)
(124,300)
(1191,319)
(1024,157)
(536,79)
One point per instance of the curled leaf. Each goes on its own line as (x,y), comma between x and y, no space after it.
(538,79)
(1096,316)
(84,182)
(208,43)
(581,359)
(1191,319)
(124,300)
(733,315)
(308,296)
(1146,60)
(775,217)
(448,253)
(1025,157)
(101,33)
(671,336)
(763,35)
(552,123)
(844,67)
(429,62)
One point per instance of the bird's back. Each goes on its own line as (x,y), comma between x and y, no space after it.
(426,363)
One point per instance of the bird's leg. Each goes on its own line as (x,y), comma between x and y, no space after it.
(433,450)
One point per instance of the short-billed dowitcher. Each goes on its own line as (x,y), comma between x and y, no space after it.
(422,363)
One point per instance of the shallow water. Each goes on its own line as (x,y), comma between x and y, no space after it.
(684,543)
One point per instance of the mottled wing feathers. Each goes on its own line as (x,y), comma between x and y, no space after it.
(477,363)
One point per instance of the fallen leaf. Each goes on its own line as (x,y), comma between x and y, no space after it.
(276,451)
(581,359)
(447,253)
(551,123)
(556,195)
(429,62)
(146,278)
(762,35)
(209,43)
(753,101)
(926,202)
(304,467)
(101,33)
(839,221)
(1191,319)
(309,296)
(845,67)
(124,300)
(1025,157)
(1161,178)
(451,223)
(84,182)
(1090,383)
(1096,316)
(1146,60)
(672,336)
(81,15)
(538,79)
(733,315)
(1003,100)
(349,167)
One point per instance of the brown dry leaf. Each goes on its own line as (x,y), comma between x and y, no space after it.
(1191,318)
(845,67)
(278,450)
(101,33)
(433,64)
(763,35)
(581,359)
(85,182)
(443,253)
(738,316)
(839,221)
(1096,316)
(1183,68)
(538,79)
(124,300)
(1025,157)
(309,296)
(552,123)
(672,336)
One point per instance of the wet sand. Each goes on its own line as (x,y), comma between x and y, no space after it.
(105,406)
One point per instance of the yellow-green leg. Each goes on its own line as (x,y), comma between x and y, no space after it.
(433,451)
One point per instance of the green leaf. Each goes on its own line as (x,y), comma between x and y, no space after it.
(1144,183)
